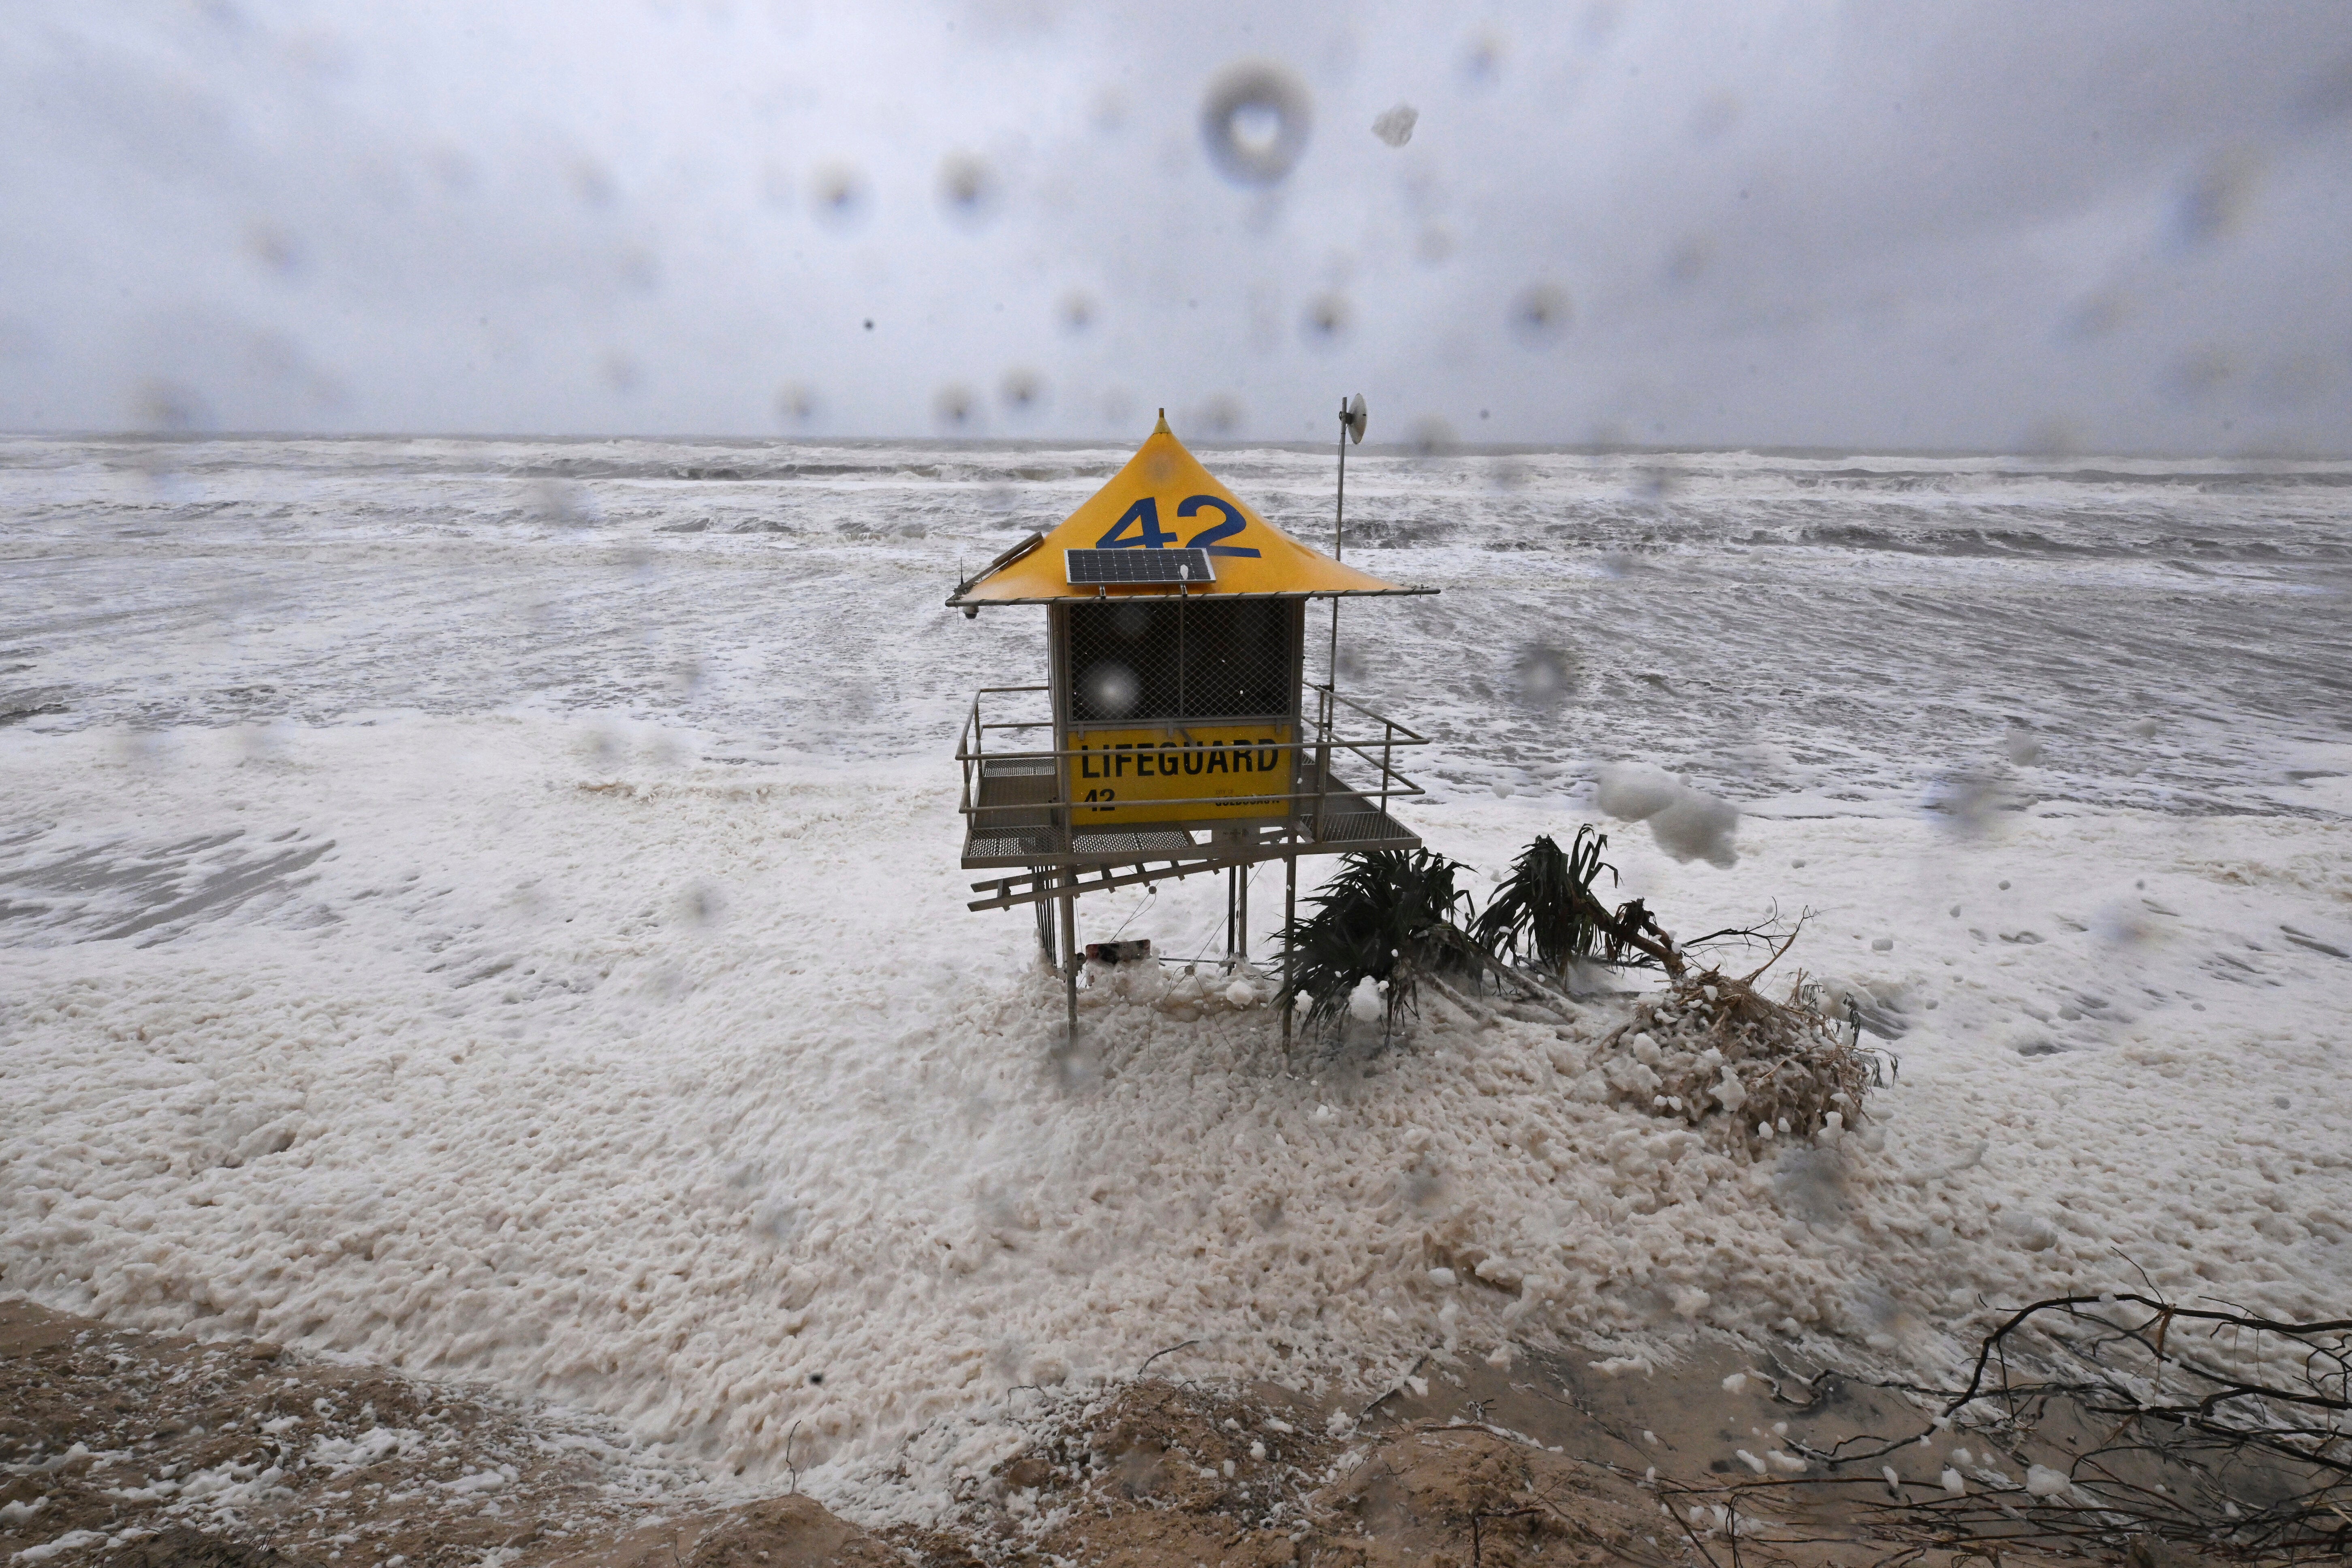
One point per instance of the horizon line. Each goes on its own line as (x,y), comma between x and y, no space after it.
(1447,449)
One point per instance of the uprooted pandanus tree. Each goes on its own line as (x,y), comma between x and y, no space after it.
(1712,1048)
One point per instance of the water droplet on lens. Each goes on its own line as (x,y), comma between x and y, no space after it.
(1689,261)
(161,405)
(1541,313)
(1717,113)
(1111,690)
(1328,319)
(1482,58)
(2050,437)
(560,503)
(1022,391)
(2198,374)
(1255,123)
(966,190)
(1546,675)
(955,407)
(274,248)
(639,269)
(1078,310)
(839,194)
(2218,198)
(592,183)
(795,403)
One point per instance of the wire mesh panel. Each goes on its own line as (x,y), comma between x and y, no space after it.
(1161,659)
(1179,709)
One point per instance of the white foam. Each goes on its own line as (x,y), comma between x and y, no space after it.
(492,1096)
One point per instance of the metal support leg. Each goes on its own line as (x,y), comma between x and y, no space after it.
(1241,917)
(1289,915)
(1069,902)
(1047,942)
(1233,894)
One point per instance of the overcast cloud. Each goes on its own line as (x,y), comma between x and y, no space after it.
(1935,225)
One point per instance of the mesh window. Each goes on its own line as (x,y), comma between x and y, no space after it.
(1150,660)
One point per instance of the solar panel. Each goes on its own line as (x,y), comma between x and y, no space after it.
(1090,568)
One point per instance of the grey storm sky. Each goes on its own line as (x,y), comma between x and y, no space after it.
(2093,226)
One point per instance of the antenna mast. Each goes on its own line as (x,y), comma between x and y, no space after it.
(1351,428)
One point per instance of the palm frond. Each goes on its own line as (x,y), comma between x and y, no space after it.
(1546,913)
(1388,916)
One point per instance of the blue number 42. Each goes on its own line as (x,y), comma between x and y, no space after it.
(1143,517)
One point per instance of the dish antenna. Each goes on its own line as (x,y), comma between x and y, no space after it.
(1351,429)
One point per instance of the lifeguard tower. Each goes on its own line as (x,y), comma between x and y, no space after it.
(1186,738)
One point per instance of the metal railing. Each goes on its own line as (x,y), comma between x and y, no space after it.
(1318,732)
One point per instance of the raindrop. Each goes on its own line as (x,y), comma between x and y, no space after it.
(1078,310)
(2099,314)
(1024,390)
(592,183)
(955,407)
(2198,374)
(560,503)
(1717,112)
(1541,313)
(1435,244)
(2050,437)
(2216,201)
(1329,316)
(274,248)
(1221,415)
(1970,802)
(1689,262)
(455,168)
(839,194)
(1255,122)
(966,190)
(167,405)
(639,269)
(1482,58)
(1545,675)
(1394,126)
(1111,690)
(622,373)
(796,402)
(1430,437)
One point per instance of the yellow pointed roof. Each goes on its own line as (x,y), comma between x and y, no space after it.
(1163,499)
